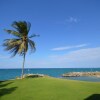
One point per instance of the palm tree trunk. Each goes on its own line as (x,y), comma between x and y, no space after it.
(23,66)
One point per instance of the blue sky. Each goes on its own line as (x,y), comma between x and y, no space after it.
(69,32)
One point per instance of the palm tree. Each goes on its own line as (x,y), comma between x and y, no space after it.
(22,42)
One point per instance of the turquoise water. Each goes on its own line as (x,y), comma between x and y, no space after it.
(6,74)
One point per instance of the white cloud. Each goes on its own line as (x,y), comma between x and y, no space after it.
(88,57)
(81,55)
(68,20)
(69,47)
(72,20)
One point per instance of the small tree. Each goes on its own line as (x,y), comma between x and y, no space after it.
(20,44)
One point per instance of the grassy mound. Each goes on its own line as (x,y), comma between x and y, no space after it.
(47,88)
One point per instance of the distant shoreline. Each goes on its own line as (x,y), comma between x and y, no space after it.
(6,74)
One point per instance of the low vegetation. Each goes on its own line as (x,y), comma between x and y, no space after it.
(47,88)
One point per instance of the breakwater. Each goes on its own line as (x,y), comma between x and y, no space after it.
(78,74)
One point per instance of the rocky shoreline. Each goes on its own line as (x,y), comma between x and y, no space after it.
(78,74)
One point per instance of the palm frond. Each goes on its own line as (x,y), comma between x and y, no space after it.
(15,33)
(32,45)
(14,50)
(12,45)
(22,27)
(34,35)
(20,44)
(12,42)
(21,48)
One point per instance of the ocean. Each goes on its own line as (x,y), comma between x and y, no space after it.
(6,74)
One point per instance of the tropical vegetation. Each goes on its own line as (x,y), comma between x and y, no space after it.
(21,42)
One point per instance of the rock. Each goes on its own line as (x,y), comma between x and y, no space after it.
(77,74)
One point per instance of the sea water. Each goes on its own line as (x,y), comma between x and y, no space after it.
(6,74)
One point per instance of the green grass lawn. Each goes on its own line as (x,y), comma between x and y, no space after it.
(48,88)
